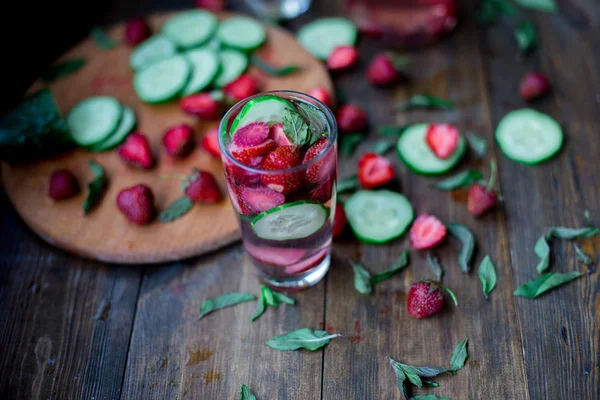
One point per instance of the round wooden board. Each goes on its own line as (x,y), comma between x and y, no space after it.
(105,234)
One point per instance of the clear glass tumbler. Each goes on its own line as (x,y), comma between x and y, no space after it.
(285,215)
(279,9)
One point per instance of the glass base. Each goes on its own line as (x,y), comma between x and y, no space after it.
(297,282)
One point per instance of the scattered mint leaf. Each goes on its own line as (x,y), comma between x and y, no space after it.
(430,384)
(176,209)
(435,267)
(246,394)
(399,265)
(544,283)
(582,255)
(460,355)
(462,179)
(225,300)
(382,146)
(269,297)
(478,144)
(429,397)
(347,184)
(261,307)
(272,70)
(413,374)
(304,338)
(102,40)
(487,275)
(542,246)
(573,233)
(393,130)
(96,187)
(588,218)
(538,5)
(426,101)
(295,127)
(350,141)
(526,36)
(362,279)
(282,298)
(267,294)
(62,69)
(490,10)
(542,250)
(467,239)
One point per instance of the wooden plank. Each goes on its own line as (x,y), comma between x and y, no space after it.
(174,355)
(560,330)
(379,325)
(64,322)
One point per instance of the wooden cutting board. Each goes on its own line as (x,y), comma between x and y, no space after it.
(105,234)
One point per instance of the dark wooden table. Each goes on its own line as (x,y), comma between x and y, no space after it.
(75,329)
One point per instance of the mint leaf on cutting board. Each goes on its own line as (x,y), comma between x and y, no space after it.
(176,209)
(224,300)
(64,68)
(304,338)
(102,40)
(272,70)
(96,187)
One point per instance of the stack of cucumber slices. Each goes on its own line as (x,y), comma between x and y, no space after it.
(192,52)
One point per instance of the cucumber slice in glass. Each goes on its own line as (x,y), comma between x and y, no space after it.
(242,33)
(190,28)
(163,80)
(290,221)
(529,136)
(205,67)
(378,216)
(416,154)
(125,126)
(323,35)
(94,119)
(268,108)
(233,64)
(152,50)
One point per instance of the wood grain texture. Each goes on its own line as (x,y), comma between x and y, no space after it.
(560,331)
(65,323)
(105,234)
(174,355)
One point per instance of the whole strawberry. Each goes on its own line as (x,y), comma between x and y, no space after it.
(137,204)
(179,140)
(425,298)
(533,86)
(242,87)
(63,185)
(202,187)
(136,151)
(351,118)
(384,69)
(482,199)
(136,31)
(322,95)
(204,105)
(210,143)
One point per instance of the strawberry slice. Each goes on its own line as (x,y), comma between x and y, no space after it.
(426,232)
(279,135)
(260,199)
(293,260)
(136,151)
(210,142)
(250,135)
(322,169)
(306,263)
(374,170)
(235,193)
(442,139)
(481,200)
(322,193)
(242,87)
(283,157)
(342,57)
(247,155)
(242,175)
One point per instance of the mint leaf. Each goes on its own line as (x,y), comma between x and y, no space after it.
(347,184)
(393,130)
(225,300)
(426,101)
(102,40)
(282,298)
(246,394)
(350,141)
(429,397)
(269,297)
(435,267)
(573,233)
(542,250)
(487,275)
(544,283)
(176,209)
(478,144)
(315,119)
(397,266)
(460,355)
(267,294)
(490,10)
(96,187)
(538,5)
(542,246)
(272,70)
(526,36)
(362,279)
(261,307)
(294,127)
(430,384)
(62,69)
(582,255)
(462,179)
(413,374)
(467,239)
(382,147)
(304,338)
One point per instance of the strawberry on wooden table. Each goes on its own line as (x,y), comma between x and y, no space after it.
(374,170)
(137,204)
(136,151)
(383,70)
(442,139)
(63,185)
(426,232)
(136,31)
(210,142)
(342,57)
(351,118)
(179,140)
(281,158)
(533,86)
(425,298)
(244,86)
(203,105)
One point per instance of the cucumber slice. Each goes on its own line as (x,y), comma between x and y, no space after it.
(268,108)
(416,154)
(378,216)
(290,221)
(163,80)
(190,28)
(154,49)
(125,126)
(242,33)
(529,136)
(233,64)
(323,35)
(205,67)
(94,119)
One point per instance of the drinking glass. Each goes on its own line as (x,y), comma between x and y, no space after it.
(279,9)
(287,236)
